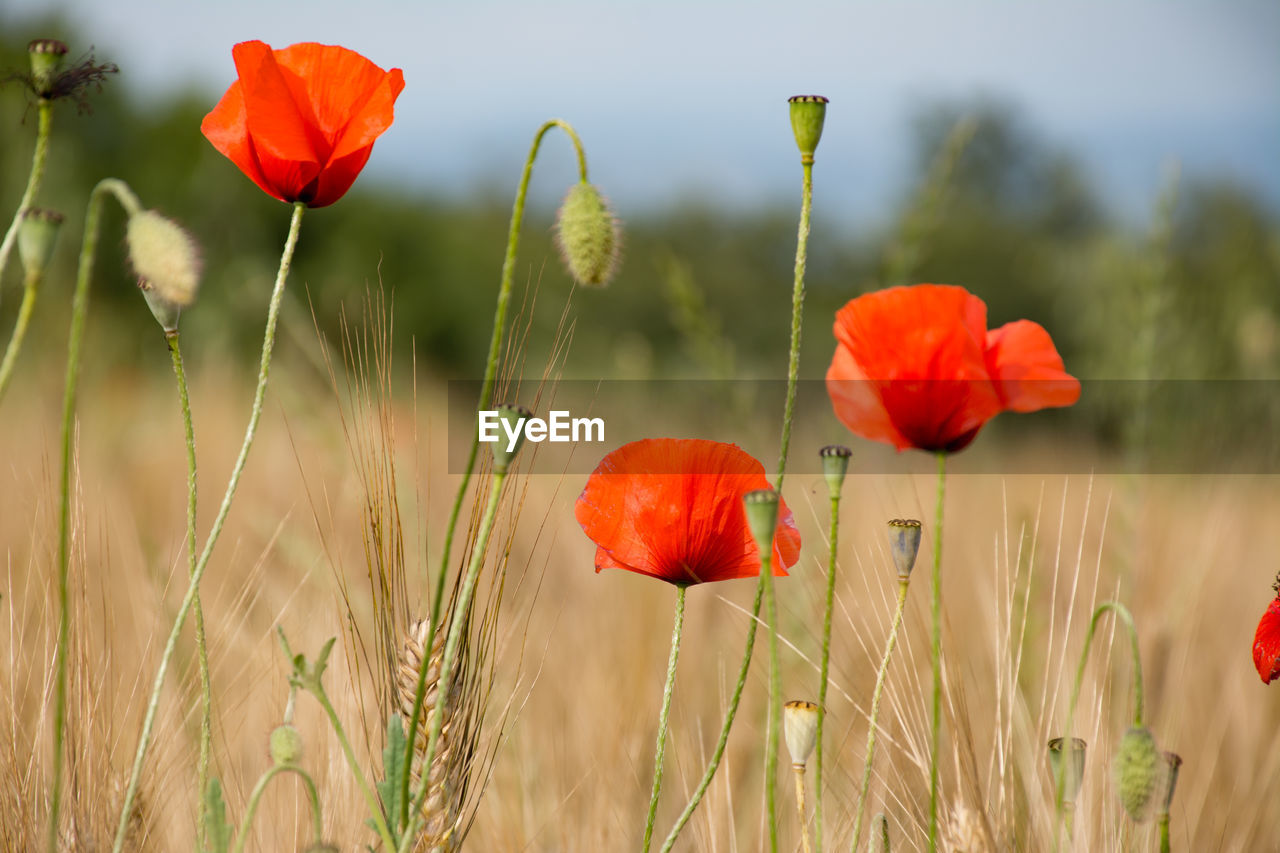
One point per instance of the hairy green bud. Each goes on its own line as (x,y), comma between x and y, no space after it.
(588,236)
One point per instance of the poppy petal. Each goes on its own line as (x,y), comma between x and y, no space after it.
(1027,368)
(227,129)
(1266,643)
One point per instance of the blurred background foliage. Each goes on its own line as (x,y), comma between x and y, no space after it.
(1194,293)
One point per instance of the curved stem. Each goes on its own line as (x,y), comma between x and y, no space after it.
(718,753)
(935,654)
(797,315)
(370,801)
(44,127)
(29,292)
(825,669)
(202,649)
(881,675)
(243,833)
(268,342)
(774,723)
(486,399)
(448,658)
(661,750)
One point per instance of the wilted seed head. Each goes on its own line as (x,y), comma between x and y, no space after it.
(1138,769)
(36,236)
(904,544)
(762,517)
(503,452)
(286,745)
(165,255)
(808,113)
(46,60)
(1073,769)
(1172,761)
(588,235)
(800,727)
(835,464)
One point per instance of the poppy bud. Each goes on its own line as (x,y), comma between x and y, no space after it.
(1138,768)
(1072,774)
(286,745)
(588,236)
(1172,761)
(504,451)
(46,60)
(808,112)
(762,517)
(36,236)
(904,544)
(835,464)
(165,256)
(800,727)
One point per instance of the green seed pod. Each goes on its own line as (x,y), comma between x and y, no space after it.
(36,237)
(286,745)
(165,256)
(808,113)
(1138,769)
(504,449)
(800,727)
(762,517)
(588,235)
(904,544)
(46,61)
(1073,770)
(835,465)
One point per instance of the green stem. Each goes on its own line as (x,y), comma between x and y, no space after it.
(1122,613)
(823,675)
(718,754)
(29,292)
(202,649)
(1164,834)
(775,689)
(318,826)
(881,676)
(935,652)
(661,749)
(268,342)
(370,801)
(797,315)
(39,157)
(457,626)
(486,398)
(79,312)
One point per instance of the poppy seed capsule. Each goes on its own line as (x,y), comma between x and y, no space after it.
(46,60)
(762,517)
(164,254)
(286,745)
(504,450)
(800,727)
(1138,768)
(587,234)
(36,237)
(808,113)
(835,465)
(1072,774)
(904,544)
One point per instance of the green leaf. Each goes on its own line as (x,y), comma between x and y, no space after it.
(394,769)
(218,838)
(322,660)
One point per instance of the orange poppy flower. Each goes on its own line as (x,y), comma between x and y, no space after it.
(301,122)
(1266,643)
(672,509)
(917,367)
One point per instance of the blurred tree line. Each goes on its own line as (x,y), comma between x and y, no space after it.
(702,291)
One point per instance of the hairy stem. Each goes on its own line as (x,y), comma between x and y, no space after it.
(804,825)
(661,750)
(44,127)
(935,656)
(774,721)
(254,798)
(29,292)
(825,668)
(797,316)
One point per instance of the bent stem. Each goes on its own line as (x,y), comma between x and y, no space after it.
(661,749)
(29,291)
(823,675)
(202,650)
(771,732)
(79,311)
(457,626)
(268,343)
(1122,613)
(881,675)
(307,782)
(39,157)
(935,655)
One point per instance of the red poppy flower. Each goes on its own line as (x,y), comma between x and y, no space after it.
(301,122)
(917,367)
(1266,643)
(672,509)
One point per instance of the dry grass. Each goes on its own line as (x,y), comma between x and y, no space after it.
(577,659)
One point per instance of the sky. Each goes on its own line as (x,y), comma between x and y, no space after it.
(687,100)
